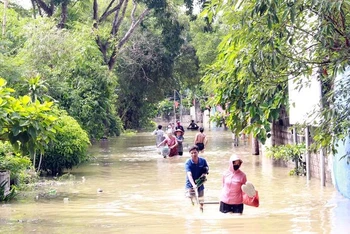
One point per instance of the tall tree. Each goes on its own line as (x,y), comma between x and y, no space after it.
(114,22)
(270,42)
(70,64)
(145,68)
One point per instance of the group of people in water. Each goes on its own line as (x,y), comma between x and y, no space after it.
(235,186)
(172,139)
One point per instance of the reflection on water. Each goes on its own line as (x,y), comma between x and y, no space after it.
(130,188)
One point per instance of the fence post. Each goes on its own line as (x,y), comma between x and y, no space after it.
(5,176)
(307,153)
(322,167)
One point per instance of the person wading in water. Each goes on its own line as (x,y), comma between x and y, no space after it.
(196,167)
(171,142)
(200,140)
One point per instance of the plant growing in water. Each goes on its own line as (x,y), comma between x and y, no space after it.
(289,152)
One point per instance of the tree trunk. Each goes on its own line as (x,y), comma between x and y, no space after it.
(47,8)
(4,18)
(39,165)
(34,9)
(34,156)
(255,146)
(64,14)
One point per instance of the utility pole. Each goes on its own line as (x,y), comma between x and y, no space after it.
(180,107)
(307,153)
(174,106)
(180,118)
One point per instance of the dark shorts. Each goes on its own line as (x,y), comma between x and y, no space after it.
(200,146)
(225,208)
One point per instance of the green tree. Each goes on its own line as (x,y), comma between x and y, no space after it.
(269,42)
(144,72)
(11,41)
(113,22)
(205,43)
(186,68)
(69,64)
(28,126)
(33,127)
(145,67)
(197,52)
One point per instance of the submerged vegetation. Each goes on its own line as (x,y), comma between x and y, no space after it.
(287,153)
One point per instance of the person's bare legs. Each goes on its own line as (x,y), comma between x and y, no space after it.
(191,198)
(201,203)
(191,195)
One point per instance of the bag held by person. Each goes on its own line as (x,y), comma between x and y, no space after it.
(250,195)
(251,201)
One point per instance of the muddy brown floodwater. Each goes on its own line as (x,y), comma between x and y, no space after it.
(130,188)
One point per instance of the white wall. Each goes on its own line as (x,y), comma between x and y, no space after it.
(193,113)
(305,101)
(206,119)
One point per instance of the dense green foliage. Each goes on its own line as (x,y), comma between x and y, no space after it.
(288,153)
(13,162)
(110,65)
(69,148)
(145,71)
(33,129)
(75,78)
(101,70)
(27,125)
(269,42)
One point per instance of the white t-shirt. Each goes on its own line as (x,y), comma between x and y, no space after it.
(159,135)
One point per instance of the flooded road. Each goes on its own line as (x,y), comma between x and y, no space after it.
(130,188)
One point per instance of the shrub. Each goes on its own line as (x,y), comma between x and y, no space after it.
(69,148)
(285,152)
(13,162)
(289,153)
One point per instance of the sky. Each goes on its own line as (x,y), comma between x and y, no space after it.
(304,101)
(25,3)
